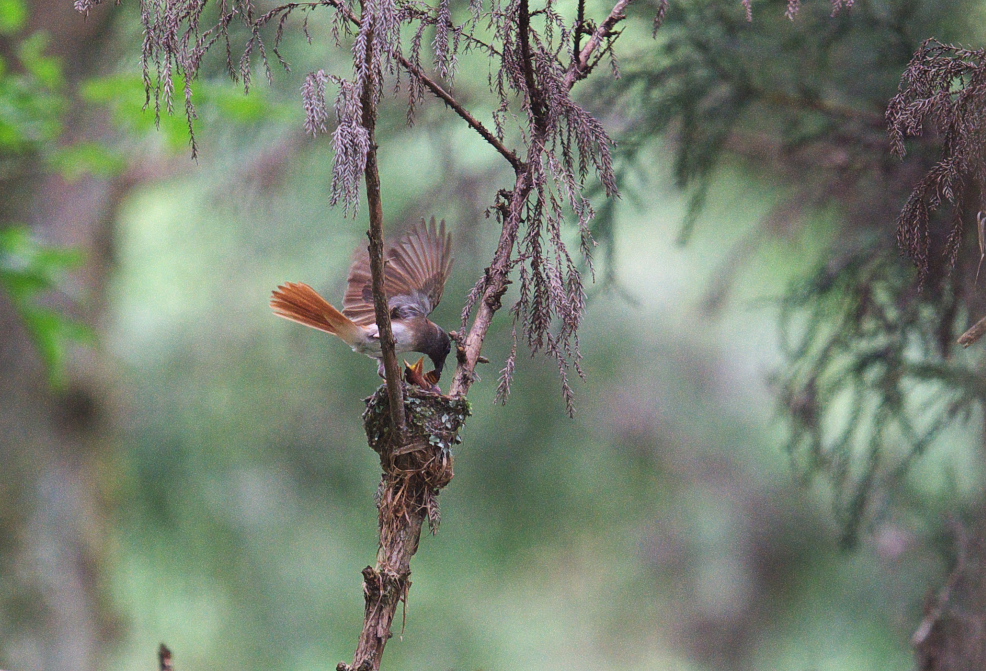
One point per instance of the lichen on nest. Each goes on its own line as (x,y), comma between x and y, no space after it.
(433,424)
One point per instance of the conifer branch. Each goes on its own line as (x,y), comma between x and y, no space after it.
(496,279)
(580,68)
(442,94)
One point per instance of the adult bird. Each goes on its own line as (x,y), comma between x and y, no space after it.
(416,269)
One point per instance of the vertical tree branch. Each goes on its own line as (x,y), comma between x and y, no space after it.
(385,586)
(375,234)
(400,528)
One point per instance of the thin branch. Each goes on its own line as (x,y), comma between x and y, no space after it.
(375,234)
(580,68)
(533,92)
(473,122)
(441,93)
(973,334)
(579,30)
(495,285)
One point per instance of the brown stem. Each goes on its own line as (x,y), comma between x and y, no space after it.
(974,333)
(413,474)
(473,122)
(495,286)
(375,233)
(533,92)
(385,586)
(579,29)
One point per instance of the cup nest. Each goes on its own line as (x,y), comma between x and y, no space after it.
(424,460)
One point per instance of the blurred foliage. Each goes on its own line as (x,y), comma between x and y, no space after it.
(29,269)
(32,101)
(125,96)
(33,104)
(867,385)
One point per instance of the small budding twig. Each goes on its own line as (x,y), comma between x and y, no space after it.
(973,334)
(581,67)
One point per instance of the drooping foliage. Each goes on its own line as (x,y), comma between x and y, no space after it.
(942,93)
(868,383)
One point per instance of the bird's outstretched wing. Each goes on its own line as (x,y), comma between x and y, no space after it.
(418,265)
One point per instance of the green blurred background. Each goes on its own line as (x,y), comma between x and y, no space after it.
(201,477)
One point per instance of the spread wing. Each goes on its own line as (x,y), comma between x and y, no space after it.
(418,265)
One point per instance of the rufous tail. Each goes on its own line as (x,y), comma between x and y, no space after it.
(300,303)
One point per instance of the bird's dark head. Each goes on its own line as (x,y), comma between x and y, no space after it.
(439,350)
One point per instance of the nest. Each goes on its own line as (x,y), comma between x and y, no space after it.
(416,470)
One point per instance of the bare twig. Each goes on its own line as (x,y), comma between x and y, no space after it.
(473,122)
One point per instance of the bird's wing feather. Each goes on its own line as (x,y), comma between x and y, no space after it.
(418,265)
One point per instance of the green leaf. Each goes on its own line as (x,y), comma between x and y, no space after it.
(235,105)
(113,89)
(87,158)
(124,95)
(13,16)
(27,269)
(53,333)
(46,69)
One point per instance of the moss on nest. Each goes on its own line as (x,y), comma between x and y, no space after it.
(433,424)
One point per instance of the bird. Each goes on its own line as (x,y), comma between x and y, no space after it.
(417,266)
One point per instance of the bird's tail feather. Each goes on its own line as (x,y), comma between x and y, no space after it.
(300,303)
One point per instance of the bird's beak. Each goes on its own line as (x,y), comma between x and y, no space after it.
(439,365)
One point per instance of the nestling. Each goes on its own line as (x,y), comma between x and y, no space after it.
(417,267)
